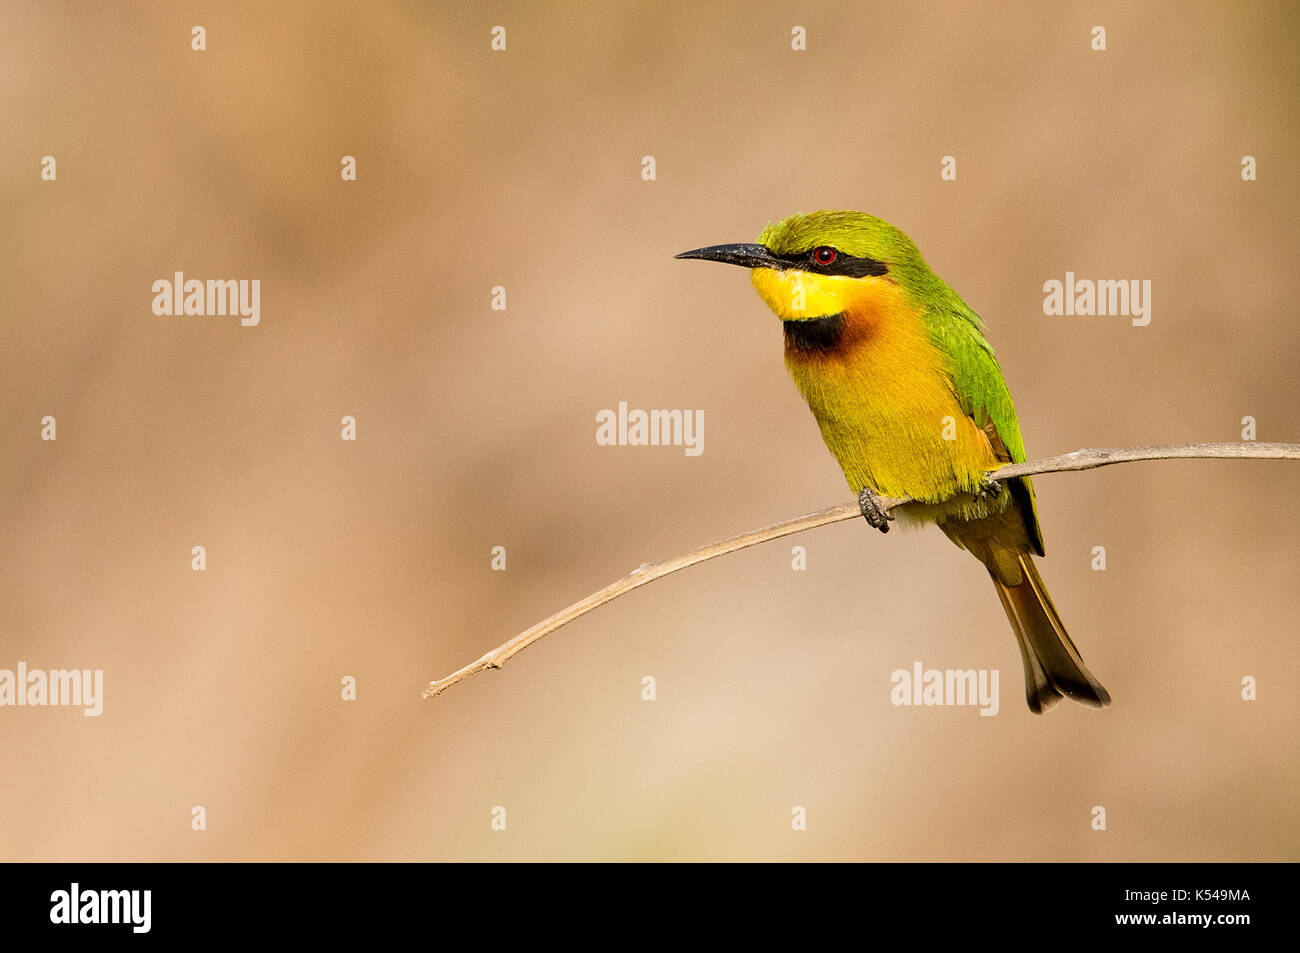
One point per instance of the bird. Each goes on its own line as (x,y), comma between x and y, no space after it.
(912,403)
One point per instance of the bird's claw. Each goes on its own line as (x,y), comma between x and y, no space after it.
(990,489)
(872,510)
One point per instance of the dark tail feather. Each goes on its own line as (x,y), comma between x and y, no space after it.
(1053,667)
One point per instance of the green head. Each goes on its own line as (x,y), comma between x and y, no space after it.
(818,264)
(855,234)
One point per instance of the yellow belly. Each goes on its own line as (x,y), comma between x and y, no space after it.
(888,413)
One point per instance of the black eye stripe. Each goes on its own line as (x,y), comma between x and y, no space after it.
(844,264)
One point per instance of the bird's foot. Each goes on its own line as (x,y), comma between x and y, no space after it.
(990,489)
(872,510)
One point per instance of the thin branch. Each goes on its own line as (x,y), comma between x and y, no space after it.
(649,572)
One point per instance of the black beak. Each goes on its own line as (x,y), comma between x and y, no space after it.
(746,256)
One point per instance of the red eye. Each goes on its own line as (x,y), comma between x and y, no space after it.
(824,255)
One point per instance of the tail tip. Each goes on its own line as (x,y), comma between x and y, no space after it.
(1043,698)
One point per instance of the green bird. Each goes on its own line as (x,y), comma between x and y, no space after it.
(911,402)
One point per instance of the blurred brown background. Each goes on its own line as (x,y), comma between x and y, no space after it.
(476,429)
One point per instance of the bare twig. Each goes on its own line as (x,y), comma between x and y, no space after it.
(649,572)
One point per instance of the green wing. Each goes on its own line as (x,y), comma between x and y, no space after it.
(982,393)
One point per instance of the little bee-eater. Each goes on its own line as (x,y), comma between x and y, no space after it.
(911,402)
